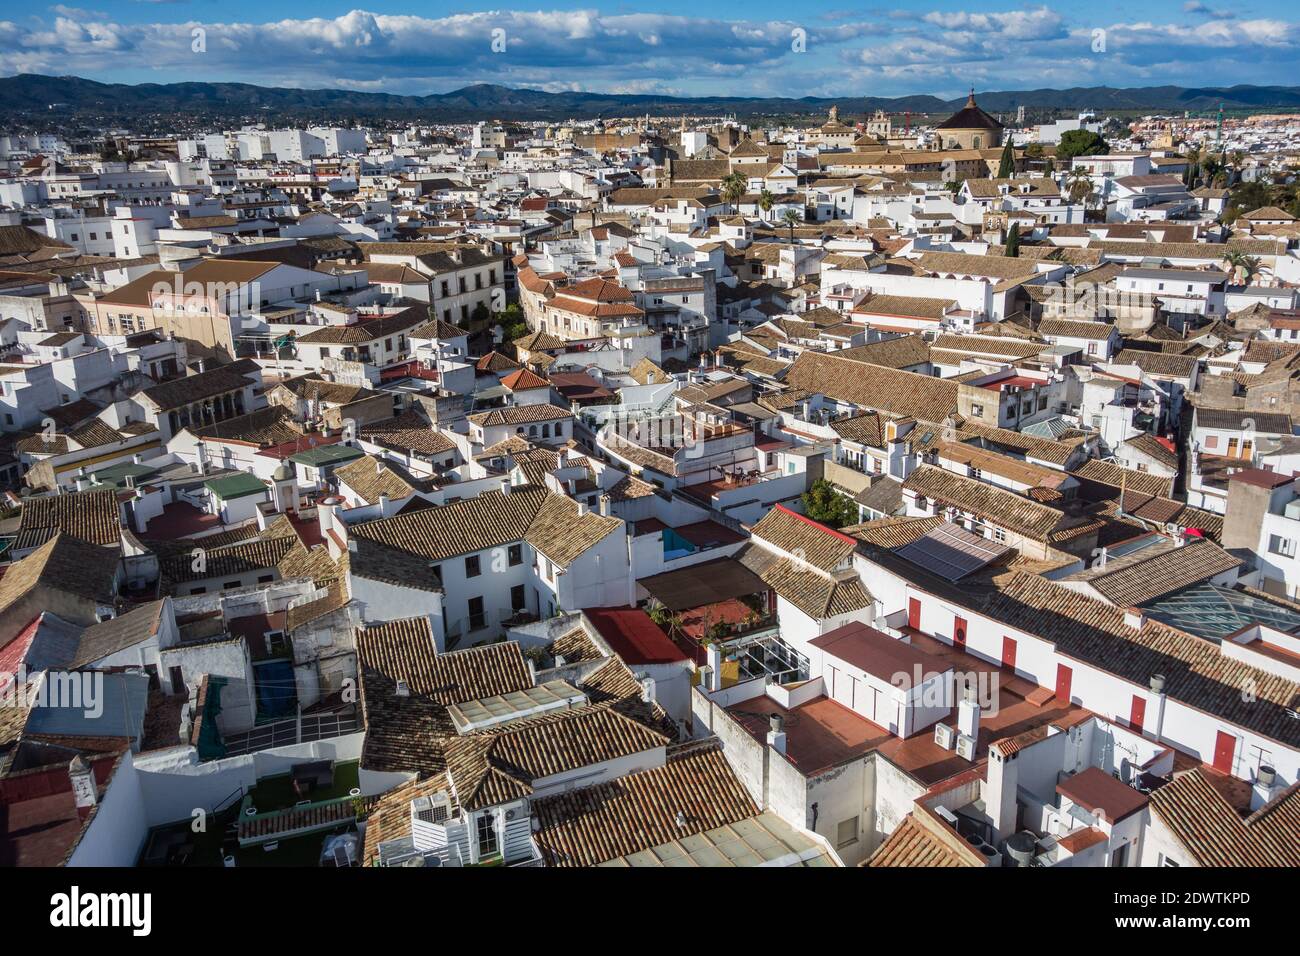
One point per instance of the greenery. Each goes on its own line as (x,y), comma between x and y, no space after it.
(1007,165)
(766,201)
(1246,197)
(791,219)
(733,188)
(823,503)
(1081,142)
(511,320)
(1012,248)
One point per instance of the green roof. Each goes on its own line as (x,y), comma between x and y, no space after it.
(115,475)
(326,455)
(236,486)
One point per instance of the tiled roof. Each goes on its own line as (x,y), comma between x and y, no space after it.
(1176,568)
(1216,835)
(1006,508)
(407,432)
(1196,672)
(193,388)
(89,515)
(391,817)
(372,478)
(520,415)
(637,811)
(873,386)
(914,844)
(230,561)
(407,734)
(63,563)
(117,633)
(1109,473)
(499,766)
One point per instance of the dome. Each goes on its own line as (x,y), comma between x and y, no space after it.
(971,116)
(283,473)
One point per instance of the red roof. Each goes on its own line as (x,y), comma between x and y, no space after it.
(633,636)
(1261,478)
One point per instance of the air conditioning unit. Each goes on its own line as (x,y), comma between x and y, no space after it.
(944,736)
(965,747)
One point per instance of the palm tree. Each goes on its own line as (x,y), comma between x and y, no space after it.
(765,201)
(733,188)
(791,219)
(1080,188)
(1240,263)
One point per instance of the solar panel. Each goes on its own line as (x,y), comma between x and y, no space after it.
(951,551)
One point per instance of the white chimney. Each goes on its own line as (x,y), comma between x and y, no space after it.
(1134,618)
(1002,778)
(505,486)
(968,715)
(648,690)
(714,653)
(1264,788)
(776,733)
(582,508)
(605,505)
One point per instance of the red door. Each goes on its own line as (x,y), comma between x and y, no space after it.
(959,633)
(1063,675)
(1137,713)
(914,613)
(1224,747)
(1009,652)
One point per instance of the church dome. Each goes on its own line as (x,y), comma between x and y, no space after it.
(969,117)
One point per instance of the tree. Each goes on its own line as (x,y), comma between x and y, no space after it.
(1080,188)
(823,503)
(791,219)
(1012,248)
(1241,263)
(1007,165)
(766,201)
(1080,142)
(733,188)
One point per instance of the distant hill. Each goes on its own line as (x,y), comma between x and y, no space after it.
(53,101)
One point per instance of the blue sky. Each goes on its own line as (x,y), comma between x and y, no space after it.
(760,48)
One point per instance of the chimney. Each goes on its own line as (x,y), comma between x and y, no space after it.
(1264,788)
(1002,778)
(1134,618)
(505,486)
(648,690)
(383,506)
(776,733)
(714,654)
(582,509)
(605,505)
(968,714)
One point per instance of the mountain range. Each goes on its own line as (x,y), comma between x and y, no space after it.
(35,100)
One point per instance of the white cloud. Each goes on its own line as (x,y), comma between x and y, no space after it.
(883,52)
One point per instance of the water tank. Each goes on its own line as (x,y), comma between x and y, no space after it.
(1020,847)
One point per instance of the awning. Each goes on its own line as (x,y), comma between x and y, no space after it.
(702,584)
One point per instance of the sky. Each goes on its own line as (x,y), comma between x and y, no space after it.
(701,47)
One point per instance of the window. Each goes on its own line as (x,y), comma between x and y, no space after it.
(472,569)
(977,411)
(517,597)
(1168,861)
(515,555)
(487,835)
(230,585)
(1282,546)
(477,619)
(846,833)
